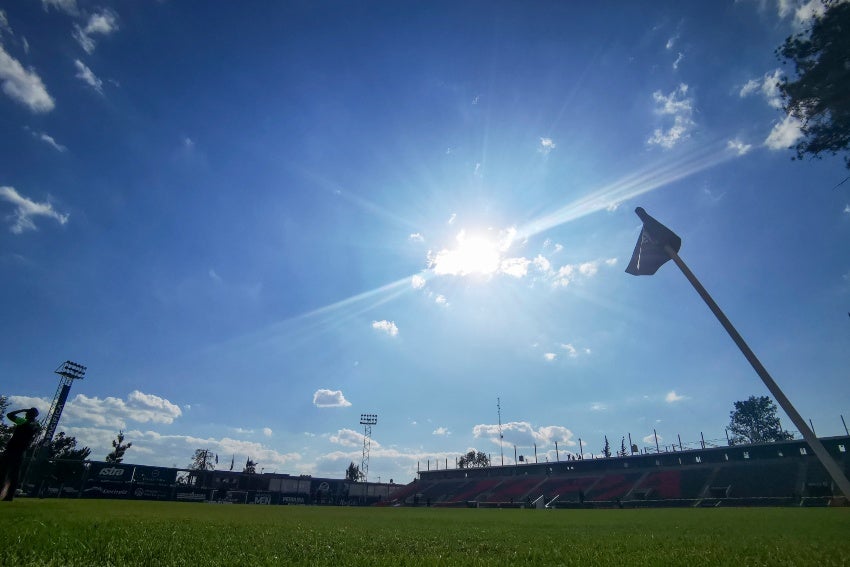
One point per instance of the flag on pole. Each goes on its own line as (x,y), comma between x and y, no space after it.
(649,254)
(232,460)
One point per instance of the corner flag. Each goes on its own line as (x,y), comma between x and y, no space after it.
(649,254)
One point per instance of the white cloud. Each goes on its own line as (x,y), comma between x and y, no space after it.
(441,431)
(516,267)
(738,147)
(678,60)
(611,262)
(589,269)
(671,42)
(267,431)
(784,134)
(388,327)
(87,76)
(348,438)
(546,145)
(416,237)
(673,397)
(26,209)
(550,356)
(67,6)
(417,281)
(808,11)
(571,350)
(441,300)
(847,209)
(100,23)
(23,85)
(678,105)
(111,412)
(542,263)
(768,85)
(452,218)
(324,398)
(523,434)
(596,406)
(650,439)
(49,140)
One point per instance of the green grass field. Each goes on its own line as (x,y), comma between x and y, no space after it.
(99,532)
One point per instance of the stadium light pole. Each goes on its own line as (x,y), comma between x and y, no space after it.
(367,420)
(657,244)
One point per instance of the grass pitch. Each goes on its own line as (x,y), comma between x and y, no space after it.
(101,532)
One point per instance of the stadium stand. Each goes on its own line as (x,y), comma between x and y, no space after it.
(773,474)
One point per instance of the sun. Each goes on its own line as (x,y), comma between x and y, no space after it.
(473,255)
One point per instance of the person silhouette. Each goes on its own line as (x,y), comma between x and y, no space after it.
(26,429)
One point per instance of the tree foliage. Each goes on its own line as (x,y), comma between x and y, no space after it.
(353,473)
(754,420)
(203,460)
(64,447)
(118,448)
(622,452)
(473,459)
(606,449)
(250,467)
(818,97)
(5,430)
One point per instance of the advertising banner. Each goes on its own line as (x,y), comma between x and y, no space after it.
(108,490)
(154,475)
(109,472)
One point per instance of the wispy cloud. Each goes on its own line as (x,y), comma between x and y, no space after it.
(349,438)
(388,327)
(768,86)
(87,76)
(67,6)
(738,147)
(267,431)
(550,356)
(679,106)
(22,85)
(100,23)
(784,134)
(416,237)
(324,398)
(417,282)
(26,209)
(678,60)
(442,431)
(546,146)
(50,141)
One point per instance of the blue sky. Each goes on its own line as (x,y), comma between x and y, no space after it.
(254,223)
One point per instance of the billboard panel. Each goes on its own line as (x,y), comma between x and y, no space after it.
(110,472)
(155,475)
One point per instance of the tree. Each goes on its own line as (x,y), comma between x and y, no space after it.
(353,473)
(818,96)
(606,449)
(63,447)
(66,458)
(754,420)
(473,459)
(203,460)
(118,448)
(622,452)
(250,467)
(5,430)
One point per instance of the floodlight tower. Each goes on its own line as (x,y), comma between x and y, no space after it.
(68,372)
(367,420)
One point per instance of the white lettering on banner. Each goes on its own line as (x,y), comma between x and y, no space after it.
(111,471)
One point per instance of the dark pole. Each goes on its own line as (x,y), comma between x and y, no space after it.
(680,441)
(813,426)
(630,444)
(726,429)
(845,425)
(535,453)
(557,457)
(580,450)
(826,460)
(657,448)
(702,440)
